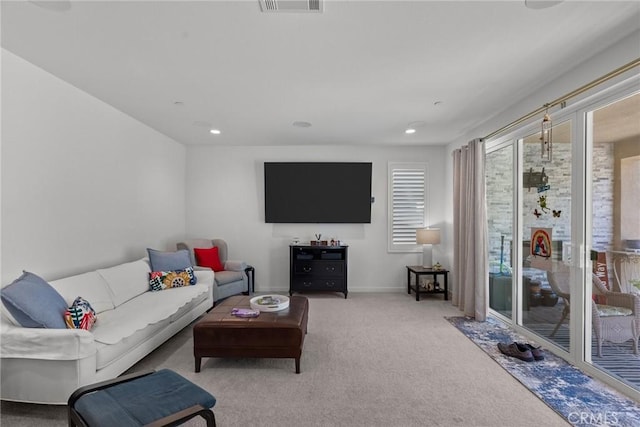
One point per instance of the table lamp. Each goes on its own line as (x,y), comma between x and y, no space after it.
(427,237)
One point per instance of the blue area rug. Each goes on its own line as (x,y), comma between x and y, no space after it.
(580,399)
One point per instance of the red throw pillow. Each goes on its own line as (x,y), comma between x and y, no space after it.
(208,257)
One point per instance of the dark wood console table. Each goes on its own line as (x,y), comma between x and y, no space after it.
(418,271)
(318,268)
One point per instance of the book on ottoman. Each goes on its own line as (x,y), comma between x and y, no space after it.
(245,312)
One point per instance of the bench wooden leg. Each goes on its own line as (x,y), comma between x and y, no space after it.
(297,365)
(198,362)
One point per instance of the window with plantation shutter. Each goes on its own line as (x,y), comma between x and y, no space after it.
(407,205)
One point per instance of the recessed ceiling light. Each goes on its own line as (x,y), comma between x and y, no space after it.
(302,124)
(215,131)
(410,131)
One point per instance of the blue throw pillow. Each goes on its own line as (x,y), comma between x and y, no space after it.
(34,303)
(169,261)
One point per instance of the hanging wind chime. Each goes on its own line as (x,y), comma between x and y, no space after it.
(545,136)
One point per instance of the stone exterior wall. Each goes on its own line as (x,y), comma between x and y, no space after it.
(603,196)
(499,184)
(558,197)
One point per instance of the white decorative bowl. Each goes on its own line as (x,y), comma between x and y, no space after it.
(265,303)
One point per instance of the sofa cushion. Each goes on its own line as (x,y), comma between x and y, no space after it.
(126,281)
(609,310)
(208,257)
(34,303)
(169,261)
(146,309)
(106,354)
(80,315)
(161,280)
(90,285)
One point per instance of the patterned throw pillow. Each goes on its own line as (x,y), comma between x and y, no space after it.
(80,315)
(160,280)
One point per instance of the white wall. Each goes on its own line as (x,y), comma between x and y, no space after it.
(83,185)
(225,198)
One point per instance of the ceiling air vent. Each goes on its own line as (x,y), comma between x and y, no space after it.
(298,6)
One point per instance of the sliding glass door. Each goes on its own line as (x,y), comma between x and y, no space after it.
(546,234)
(613,136)
(564,233)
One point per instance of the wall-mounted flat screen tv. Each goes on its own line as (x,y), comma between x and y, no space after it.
(317,192)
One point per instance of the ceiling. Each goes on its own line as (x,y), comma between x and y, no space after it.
(359,72)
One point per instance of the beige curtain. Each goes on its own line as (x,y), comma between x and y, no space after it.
(470,257)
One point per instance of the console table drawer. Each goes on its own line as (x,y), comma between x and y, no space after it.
(319,268)
(318,284)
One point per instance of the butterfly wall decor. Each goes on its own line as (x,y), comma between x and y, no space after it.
(556,213)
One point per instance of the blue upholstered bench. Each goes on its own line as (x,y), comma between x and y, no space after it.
(155,398)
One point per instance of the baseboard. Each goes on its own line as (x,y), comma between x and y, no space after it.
(390,289)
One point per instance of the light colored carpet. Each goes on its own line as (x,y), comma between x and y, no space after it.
(369,360)
(580,398)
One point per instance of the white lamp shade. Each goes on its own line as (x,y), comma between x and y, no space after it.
(428,236)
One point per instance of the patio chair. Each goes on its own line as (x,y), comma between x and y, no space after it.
(560,284)
(626,270)
(616,321)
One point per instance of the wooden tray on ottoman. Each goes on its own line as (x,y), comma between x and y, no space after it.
(272,334)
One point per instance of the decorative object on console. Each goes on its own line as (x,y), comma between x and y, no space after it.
(427,237)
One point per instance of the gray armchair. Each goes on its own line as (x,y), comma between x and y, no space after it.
(232,280)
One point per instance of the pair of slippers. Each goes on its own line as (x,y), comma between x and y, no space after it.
(522,351)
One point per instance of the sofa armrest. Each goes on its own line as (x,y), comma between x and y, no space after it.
(207,275)
(197,268)
(620,299)
(48,344)
(234,265)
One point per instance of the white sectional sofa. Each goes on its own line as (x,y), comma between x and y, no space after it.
(41,365)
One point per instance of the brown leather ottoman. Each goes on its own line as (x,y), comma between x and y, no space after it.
(271,334)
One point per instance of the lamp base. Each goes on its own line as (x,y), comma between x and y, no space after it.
(427,258)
